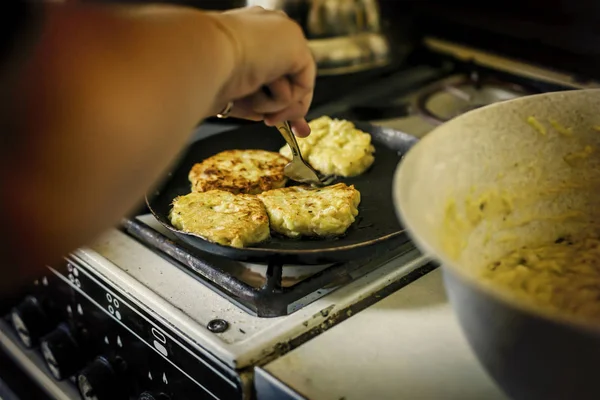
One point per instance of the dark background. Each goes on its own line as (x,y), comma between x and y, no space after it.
(561,34)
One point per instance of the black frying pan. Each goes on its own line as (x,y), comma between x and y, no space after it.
(376,224)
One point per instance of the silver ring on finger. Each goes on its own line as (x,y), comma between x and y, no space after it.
(226,111)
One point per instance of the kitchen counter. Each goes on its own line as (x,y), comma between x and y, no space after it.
(407,346)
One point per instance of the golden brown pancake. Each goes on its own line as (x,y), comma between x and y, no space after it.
(240,171)
(237,220)
(306,211)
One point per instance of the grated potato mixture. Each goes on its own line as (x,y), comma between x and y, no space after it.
(561,276)
(335,147)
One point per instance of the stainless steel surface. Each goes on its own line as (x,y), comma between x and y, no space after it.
(328,18)
(298,169)
(445,99)
(453,97)
(344,35)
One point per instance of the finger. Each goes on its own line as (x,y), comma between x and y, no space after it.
(303,87)
(304,77)
(241,111)
(280,91)
(248,10)
(270,99)
(258,104)
(254,9)
(262,10)
(307,101)
(300,127)
(296,111)
(292,113)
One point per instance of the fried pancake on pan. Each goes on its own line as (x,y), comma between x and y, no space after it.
(240,171)
(306,211)
(237,220)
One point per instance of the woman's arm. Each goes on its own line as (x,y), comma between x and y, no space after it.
(109,96)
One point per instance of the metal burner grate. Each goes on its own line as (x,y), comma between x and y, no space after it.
(272,298)
(458,95)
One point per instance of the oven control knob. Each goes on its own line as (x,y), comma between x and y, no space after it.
(100,381)
(30,321)
(153,396)
(61,352)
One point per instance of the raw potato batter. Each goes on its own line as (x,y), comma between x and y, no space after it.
(222,217)
(335,147)
(563,276)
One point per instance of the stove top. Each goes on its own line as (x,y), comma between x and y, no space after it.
(261,290)
(177,297)
(464,79)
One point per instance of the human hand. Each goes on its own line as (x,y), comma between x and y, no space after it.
(270,51)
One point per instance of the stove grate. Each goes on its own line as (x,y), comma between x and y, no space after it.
(271,299)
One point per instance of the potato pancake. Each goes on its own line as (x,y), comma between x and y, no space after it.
(335,147)
(240,171)
(237,220)
(305,211)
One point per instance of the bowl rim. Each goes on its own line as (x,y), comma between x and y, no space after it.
(503,296)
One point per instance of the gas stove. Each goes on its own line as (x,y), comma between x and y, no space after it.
(137,314)
(134,302)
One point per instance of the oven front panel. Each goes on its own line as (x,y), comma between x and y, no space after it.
(94,336)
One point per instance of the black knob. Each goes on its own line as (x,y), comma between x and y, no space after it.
(101,380)
(30,321)
(61,352)
(153,396)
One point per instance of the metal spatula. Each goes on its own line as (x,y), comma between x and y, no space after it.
(297,170)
